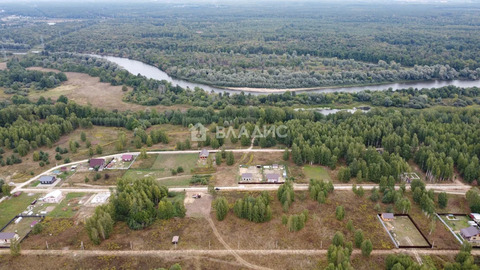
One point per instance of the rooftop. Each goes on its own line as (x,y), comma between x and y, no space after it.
(7,235)
(388,215)
(272,176)
(470,231)
(247,175)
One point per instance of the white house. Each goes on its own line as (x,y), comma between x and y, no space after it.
(53,197)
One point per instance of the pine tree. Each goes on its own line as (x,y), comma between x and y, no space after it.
(358,238)
(230,158)
(221,208)
(366,247)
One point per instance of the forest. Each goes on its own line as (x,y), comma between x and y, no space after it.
(289,46)
(439,140)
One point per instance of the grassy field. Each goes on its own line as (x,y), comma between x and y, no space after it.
(68,207)
(14,206)
(316,172)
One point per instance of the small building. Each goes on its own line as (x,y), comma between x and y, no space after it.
(204,154)
(47,179)
(127,158)
(470,234)
(97,163)
(16,194)
(387,216)
(247,177)
(63,169)
(175,239)
(275,166)
(272,177)
(53,197)
(6,238)
(34,223)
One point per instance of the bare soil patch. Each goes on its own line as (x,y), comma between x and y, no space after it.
(199,207)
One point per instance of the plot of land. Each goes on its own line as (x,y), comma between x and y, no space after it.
(316,172)
(405,232)
(199,207)
(256,173)
(23,227)
(70,205)
(14,206)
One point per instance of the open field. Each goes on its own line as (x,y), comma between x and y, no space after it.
(318,231)
(195,233)
(107,178)
(405,232)
(14,206)
(84,90)
(316,172)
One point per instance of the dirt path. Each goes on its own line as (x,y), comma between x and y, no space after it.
(240,259)
(222,252)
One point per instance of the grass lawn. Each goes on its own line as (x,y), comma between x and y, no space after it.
(68,206)
(457,225)
(316,172)
(14,206)
(168,161)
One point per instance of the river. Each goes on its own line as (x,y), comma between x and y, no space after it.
(152,72)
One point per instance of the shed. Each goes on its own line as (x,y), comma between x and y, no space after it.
(272,177)
(47,179)
(388,216)
(97,163)
(275,166)
(34,223)
(127,158)
(175,239)
(204,154)
(53,197)
(63,169)
(247,177)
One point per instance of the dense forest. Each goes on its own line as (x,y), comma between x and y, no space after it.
(437,139)
(292,45)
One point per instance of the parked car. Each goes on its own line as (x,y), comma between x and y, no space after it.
(34,202)
(217,188)
(197,196)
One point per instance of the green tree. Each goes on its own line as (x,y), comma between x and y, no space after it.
(98,149)
(230,158)
(340,212)
(83,136)
(366,247)
(143,154)
(358,238)
(442,200)
(15,248)
(350,225)
(286,154)
(218,158)
(338,239)
(221,208)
